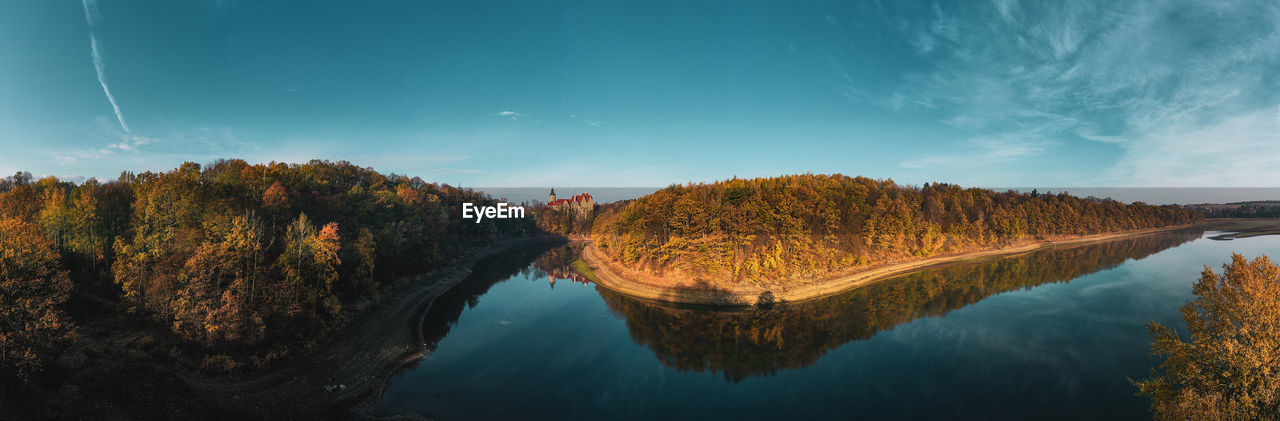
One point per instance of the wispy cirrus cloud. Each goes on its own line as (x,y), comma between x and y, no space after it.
(90,17)
(115,143)
(1180,89)
(1239,150)
(989,150)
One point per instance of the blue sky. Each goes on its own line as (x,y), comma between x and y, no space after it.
(596,93)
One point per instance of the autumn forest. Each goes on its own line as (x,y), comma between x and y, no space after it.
(234,268)
(244,264)
(773,230)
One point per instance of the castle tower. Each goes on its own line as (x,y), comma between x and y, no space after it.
(552,197)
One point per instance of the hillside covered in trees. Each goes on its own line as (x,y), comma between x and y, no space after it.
(770,231)
(242,264)
(1254,209)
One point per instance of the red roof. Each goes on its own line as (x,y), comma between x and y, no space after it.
(579,198)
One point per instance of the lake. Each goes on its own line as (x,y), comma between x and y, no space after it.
(1052,334)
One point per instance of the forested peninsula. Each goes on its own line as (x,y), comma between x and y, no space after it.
(743,241)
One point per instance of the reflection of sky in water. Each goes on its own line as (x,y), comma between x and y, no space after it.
(1057,350)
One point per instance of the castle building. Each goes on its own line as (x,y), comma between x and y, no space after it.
(582,204)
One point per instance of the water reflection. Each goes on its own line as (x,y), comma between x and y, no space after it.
(448,307)
(745,343)
(558,265)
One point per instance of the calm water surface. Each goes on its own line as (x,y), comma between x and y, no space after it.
(1054,334)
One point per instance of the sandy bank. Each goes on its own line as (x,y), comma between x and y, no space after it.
(620,279)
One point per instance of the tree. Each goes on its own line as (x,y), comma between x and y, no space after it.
(215,303)
(365,250)
(55,217)
(210,251)
(310,265)
(1230,366)
(275,199)
(86,225)
(32,293)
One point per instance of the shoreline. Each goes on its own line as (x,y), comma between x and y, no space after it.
(610,275)
(344,377)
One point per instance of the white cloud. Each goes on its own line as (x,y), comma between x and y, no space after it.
(1241,151)
(924,42)
(510,114)
(1185,105)
(90,17)
(90,11)
(986,151)
(1087,133)
(901,100)
(74,178)
(126,142)
(1008,10)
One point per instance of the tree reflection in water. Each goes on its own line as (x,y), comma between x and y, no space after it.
(448,307)
(743,343)
(755,342)
(536,263)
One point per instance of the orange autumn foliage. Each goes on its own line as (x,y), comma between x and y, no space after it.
(33,290)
